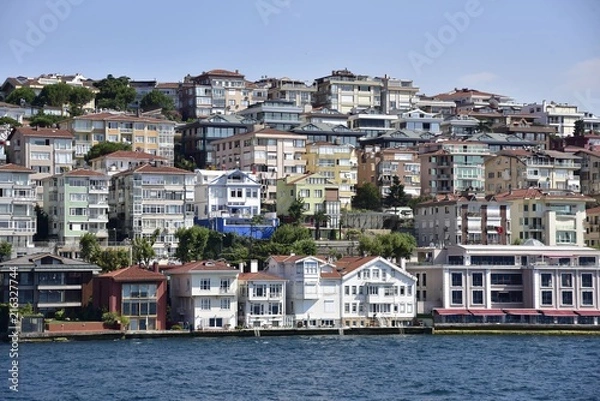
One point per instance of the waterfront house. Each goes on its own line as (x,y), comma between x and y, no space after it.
(136,293)
(261,299)
(204,294)
(49,282)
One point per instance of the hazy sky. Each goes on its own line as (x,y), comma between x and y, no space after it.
(530,50)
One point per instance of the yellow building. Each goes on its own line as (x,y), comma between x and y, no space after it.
(337,163)
(144,134)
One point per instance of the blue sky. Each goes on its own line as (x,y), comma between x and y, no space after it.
(531,50)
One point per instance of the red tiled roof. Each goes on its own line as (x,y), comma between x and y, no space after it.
(149,169)
(538,193)
(15,168)
(223,73)
(259,276)
(348,264)
(594,210)
(81,172)
(204,265)
(44,132)
(331,275)
(167,85)
(134,273)
(129,154)
(515,152)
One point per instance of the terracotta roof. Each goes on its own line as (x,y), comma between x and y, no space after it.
(348,264)
(129,154)
(204,265)
(587,151)
(515,152)
(538,193)
(260,276)
(331,275)
(134,273)
(167,85)
(44,132)
(81,172)
(456,94)
(15,168)
(223,73)
(149,169)
(594,210)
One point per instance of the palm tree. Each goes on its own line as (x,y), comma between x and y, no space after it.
(320,217)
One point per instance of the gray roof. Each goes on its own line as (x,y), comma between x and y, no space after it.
(58,263)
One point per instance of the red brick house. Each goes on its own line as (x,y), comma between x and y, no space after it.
(135,292)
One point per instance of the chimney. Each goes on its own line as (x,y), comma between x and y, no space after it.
(155,267)
(254,266)
(241,267)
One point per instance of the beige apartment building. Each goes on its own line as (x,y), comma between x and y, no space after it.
(520,168)
(592,227)
(144,134)
(452,166)
(337,163)
(380,166)
(268,153)
(47,151)
(590,171)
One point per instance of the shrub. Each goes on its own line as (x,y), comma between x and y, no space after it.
(176,327)
(110,318)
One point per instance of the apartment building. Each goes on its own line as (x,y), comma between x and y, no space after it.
(592,227)
(268,153)
(300,93)
(371,121)
(334,134)
(462,219)
(144,134)
(149,198)
(591,122)
(380,166)
(214,92)
(562,116)
(590,171)
(397,139)
(18,220)
(540,135)
(553,217)
(430,104)
(344,91)
(468,100)
(197,137)
(337,163)
(324,115)
(397,94)
(452,166)
(123,160)
(76,203)
(47,151)
(420,121)
(261,299)
(520,168)
(275,114)
(318,193)
(459,126)
(204,294)
(498,142)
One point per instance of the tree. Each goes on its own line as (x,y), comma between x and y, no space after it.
(5,250)
(111,259)
(367,197)
(114,93)
(88,247)
(320,217)
(183,163)
(192,243)
(484,126)
(24,94)
(296,211)
(42,224)
(579,128)
(56,95)
(80,96)
(391,246)
(304,247)
(369,245)
(104,148)
(214,245)
(142,248)
(9,121)
(287,234)
(396,196)
(157,100)
(45,120)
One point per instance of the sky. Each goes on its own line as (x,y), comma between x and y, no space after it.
(529,50)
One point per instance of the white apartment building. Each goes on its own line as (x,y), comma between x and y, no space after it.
(559,115)
(226,193)
(371,121)
(17,208)
(123,160)
(149,198)
(204,294)
(420,121)
(261,299)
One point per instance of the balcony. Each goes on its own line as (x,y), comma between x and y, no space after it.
(98,189)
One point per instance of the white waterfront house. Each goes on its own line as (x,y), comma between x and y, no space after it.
(204,294)
(261,299)
(226,194)
(352,292)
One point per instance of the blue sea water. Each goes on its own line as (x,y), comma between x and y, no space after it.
(400,367)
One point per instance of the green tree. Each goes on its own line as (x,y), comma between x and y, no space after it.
(88,247)
(142,248)
(45,120)
(304,247)
(104,148)
(114,93)
(320,219)
(157,100)
(579,128)
(214,245)
(9,121)
(80,96)
(56,95)
(111,259)
(484,126)
(42,224)
(396,196)
(192,243)
(287,234)
(183,163)
(296,211)
(5,250)
(26,94)
(236,254)
(397,245)
(369,245)
(367,197)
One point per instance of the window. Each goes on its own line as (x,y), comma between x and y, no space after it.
(478,297)
(566,280)
(457,280)
(546,280)
(353,290)
(477,279)
(259,290)
(205,304)
(423,280)
(567,297)
(587,298)
(205,284)
(457,297)
(546,297)
(347,308)
(346,290)
(507,279)
(586,280)
(225,304)
(224,285)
